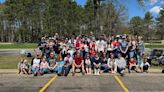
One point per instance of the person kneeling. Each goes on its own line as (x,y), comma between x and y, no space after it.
(78,62)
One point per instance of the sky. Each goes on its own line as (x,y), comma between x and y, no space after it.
(152,6)
(134,9)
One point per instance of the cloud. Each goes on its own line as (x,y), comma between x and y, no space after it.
(152,2)
(155,9)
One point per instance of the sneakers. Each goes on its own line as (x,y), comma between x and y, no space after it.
(121,74)
(73,74)
(35,74)
(83,73)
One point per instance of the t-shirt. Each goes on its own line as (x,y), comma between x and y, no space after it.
(101,45)
(120,62)
(97,60)
(92,53)
(60,63)
(123,45)
(78,60)
(52,61)
(132,62)
(44,65)
(86,48)
(87,61)
(104,61)
(36,62)
(68,60)
(110,62)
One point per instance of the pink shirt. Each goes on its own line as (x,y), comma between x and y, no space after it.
(44,65)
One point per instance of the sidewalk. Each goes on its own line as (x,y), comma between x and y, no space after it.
(14,71)
(8,71)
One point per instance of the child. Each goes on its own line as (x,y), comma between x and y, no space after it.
(88,64)
(132,64)
(20,66)
(146,66)
(26,68)
(44,67)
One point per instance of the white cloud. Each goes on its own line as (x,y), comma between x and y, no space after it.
(152,2)
(155,9)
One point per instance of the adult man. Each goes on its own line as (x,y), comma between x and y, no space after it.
(78,62)
(120,64)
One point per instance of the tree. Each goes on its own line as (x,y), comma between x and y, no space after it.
(160,24)
(136,24)
(148,23)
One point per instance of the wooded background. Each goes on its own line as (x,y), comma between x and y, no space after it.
(28,20)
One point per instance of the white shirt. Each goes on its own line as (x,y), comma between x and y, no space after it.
(121,63)
(36,62)
(87,61)
(110,62)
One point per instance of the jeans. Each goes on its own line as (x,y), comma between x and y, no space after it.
(66,70)
(35,70)
(58,70)
(105,68)
(119,70)
(44,70)
(131,54)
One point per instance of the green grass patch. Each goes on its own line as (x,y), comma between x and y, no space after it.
(10,61)
(154,46)
(18,46)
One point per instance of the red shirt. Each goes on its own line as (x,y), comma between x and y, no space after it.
(77,44)
(92,53)
(132,62)
(78,60)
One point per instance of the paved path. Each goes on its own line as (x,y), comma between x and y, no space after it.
(14,51)
(89,83)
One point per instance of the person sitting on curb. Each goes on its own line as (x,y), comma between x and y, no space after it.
(67,64)
(97,64)
(78,62)
(146,66)
(111,63)
(35,64)
(20,66)
(88,64)
(120,63)
(44,67)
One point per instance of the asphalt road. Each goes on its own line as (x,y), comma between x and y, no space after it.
(78,83)
(9,52)
(13,51)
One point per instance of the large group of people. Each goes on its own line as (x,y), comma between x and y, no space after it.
(87,54)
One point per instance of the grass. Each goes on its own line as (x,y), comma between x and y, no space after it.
(10,61)
(18,46)
(34,45)
(154,46)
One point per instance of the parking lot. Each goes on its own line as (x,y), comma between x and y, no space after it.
(89,83)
